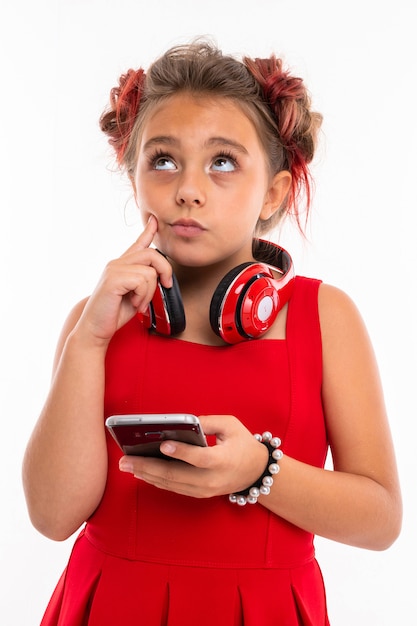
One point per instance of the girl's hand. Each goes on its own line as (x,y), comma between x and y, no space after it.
(234,463)
(127,286)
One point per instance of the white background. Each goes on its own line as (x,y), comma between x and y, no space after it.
(64,213)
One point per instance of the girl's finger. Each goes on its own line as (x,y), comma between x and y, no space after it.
(154,259)
(146,237)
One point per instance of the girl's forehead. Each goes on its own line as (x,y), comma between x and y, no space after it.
(198,101)
(187,109)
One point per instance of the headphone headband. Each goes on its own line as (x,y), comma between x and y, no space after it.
(273,255)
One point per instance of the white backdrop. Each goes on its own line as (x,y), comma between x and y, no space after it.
(64,213)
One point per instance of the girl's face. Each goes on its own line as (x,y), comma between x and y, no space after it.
(202,172)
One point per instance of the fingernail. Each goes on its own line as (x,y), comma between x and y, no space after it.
(125,466)
(168,448)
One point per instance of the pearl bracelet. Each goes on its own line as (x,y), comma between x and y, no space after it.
(264,483)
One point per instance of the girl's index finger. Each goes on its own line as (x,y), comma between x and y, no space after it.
(144,241)
(146,237)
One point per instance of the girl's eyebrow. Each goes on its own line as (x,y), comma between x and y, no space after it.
(225,141)
(169,140)
(161,139)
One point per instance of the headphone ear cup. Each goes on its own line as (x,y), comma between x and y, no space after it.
(166,310)
(245,304)
(218,299)
(174,307)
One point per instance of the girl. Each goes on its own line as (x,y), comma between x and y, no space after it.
(217,151)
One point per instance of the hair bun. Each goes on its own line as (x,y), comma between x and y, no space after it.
(296,123)
(117,122)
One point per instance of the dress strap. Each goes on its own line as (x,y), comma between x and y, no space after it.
(305,363)
(303,324)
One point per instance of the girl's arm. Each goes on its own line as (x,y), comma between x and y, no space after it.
(65,464)
(359,503)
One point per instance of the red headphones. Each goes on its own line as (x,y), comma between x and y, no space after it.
(244,305)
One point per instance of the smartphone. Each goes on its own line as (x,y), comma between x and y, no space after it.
(142,434)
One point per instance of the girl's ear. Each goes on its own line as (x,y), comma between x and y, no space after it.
(132,181)
(276,194)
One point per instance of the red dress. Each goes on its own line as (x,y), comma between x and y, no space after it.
(148,557)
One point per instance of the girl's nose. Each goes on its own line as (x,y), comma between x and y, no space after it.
(191,191)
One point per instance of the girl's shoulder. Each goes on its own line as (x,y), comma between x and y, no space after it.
(345,339)
(336,308)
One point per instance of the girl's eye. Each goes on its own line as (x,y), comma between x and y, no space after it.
(224,163)
(163,163)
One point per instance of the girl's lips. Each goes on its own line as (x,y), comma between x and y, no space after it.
(187,228)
